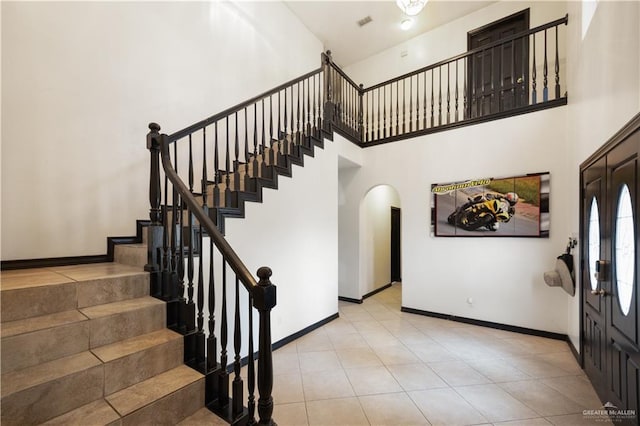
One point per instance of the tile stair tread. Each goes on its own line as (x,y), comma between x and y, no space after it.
(28,278)
(97,271)
(114,308)
(203,417)
(29,325)
(41,277)
(135,344)
(146,392)
(26,378)
(95,413)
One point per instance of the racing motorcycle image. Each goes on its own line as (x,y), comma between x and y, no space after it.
(484,211)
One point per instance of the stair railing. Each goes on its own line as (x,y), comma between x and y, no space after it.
(458,91)
(192,265)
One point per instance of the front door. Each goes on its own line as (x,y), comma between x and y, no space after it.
(498,76)
(610,254)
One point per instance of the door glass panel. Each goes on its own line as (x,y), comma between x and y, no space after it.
(594,242)
(625,249)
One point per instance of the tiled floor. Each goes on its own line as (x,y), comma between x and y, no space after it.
(377,366)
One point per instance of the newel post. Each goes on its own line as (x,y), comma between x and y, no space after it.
(361,113)
(329,106)
(264,299)
(154,231)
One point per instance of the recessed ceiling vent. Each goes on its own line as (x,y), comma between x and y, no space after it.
(364,21)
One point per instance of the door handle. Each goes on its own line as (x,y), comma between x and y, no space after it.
(519,80)
(601,292)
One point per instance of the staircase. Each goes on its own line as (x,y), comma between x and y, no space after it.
(87,345)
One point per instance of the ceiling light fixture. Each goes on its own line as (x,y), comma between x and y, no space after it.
(411,7)
(406,24)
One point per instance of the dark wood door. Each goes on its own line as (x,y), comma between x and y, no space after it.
(594,250)
(610,305)
(498,76)
(396,274)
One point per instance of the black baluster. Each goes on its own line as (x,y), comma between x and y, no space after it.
(361,113)
(282,137)
(264,300)
(251,375)
(448,93)
(227,173)
(166,262)
(263,164)
(417,102)
(205,175)
(534,93)
(223,378)
(379,121)
(457,78)
(254,163)
(180,256)
(384,111)
(480,105)
(466,104)
(315,126)
(545,89)
(525,64)
(432,100)
(212,348)
(237,398)
(397,107)
(236,162)
(296,141)
(410,104)
(191,307)
(175,292)
(246,151)
(404,118)
(557,67)
(440,95)
(271,157)
(200,338)
(424,101)
(289,140)
(216,165)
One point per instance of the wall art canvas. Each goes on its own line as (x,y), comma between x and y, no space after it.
(492,207)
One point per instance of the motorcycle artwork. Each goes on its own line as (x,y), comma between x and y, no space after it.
(484,211)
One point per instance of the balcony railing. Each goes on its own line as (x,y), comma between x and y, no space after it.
(514,75)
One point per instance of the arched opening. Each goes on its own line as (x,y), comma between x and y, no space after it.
(380,245)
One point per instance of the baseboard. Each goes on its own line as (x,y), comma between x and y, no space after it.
(7,265)
(376,291)
(575,353)
(349,299)
(49,262)
(280,343)
(489,324)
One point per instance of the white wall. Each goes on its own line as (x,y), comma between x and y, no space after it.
(299,243)
(375,237)
(446,41)
(81,81)
(604,94)
(504,276)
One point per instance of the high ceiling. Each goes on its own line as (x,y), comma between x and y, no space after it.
(335,23)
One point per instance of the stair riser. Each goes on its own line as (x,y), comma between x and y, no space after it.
(40,403)
(29,349)
(132,369)
(35,301)
(98,292)
(95,413)
(130,255)
(106,330)
(170,409)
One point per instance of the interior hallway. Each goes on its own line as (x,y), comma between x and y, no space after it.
(376,365)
